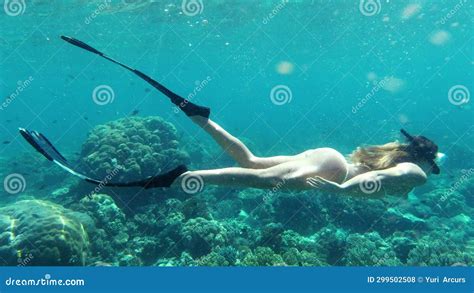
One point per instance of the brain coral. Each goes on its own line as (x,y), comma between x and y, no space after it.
(35,232)
(132,148)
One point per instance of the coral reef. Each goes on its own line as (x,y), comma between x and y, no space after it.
(199,236)
(224,226)
(112,230)
(37,232)
(368,250)
(132,148)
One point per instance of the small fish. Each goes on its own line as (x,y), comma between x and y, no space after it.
(85,118)
(8,120)
(55,121)
(147,90)
(135,112)
(6,142)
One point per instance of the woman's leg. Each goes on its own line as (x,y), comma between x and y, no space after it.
(235,176)
(236,148)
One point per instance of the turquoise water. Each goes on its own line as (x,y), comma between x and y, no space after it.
(352,73)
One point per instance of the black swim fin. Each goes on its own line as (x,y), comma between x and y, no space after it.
(46,148)
(189,108)
(160,180)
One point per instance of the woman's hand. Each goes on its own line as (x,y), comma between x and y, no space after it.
(323,184)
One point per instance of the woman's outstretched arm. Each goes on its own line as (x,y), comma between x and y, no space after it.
(237,149)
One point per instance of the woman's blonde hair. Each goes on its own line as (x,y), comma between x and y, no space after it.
(381,157)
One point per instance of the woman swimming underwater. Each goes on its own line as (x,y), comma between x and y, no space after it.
(395,168)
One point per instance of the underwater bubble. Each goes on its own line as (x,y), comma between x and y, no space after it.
(410,10)
(371,76)
(440,37)
(285,67)
(393,84)
(403,118)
